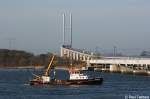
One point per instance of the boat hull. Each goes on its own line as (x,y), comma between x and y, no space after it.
(95,81)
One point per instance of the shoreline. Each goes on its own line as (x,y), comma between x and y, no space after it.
(21,67)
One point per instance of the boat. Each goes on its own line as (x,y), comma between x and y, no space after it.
(76,77)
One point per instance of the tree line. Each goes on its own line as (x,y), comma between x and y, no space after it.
(10,58)
(22,58)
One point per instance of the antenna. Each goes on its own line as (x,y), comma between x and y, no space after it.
(63,28)
(115,50)
(11,41)
(70,29)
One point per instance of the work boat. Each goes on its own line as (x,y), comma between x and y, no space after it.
(76,77)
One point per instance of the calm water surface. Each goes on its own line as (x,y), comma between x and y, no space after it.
(14,85)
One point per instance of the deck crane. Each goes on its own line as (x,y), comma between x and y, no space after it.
(44,79)
(49,66)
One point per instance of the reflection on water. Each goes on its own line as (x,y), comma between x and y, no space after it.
(14,85)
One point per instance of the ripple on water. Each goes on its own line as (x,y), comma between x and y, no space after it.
(14,85)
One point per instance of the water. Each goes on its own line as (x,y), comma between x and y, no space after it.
(14,85)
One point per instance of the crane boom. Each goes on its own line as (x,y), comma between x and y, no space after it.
(49,66)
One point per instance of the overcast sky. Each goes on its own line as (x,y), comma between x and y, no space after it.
(36,25)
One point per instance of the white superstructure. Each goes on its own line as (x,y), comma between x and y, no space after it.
(78,76)
(45,79)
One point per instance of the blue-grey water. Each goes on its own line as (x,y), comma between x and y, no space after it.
(14,85)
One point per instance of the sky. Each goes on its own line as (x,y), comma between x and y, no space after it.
(36,25)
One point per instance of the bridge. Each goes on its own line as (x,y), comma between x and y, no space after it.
(121,64)
(75,54)
(117,64)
